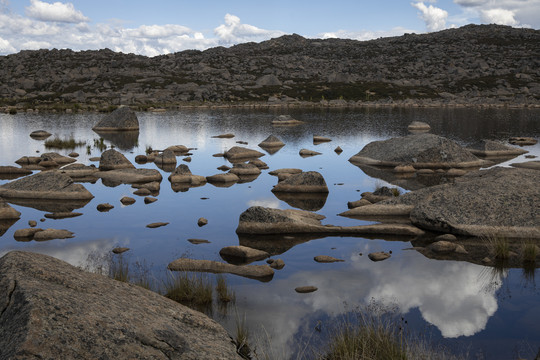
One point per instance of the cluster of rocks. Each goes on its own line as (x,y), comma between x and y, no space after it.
(471,65)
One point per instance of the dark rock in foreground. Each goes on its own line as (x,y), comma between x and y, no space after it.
(52,310)
(121,119)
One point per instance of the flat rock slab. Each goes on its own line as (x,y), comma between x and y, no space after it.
(243,253)
(378,256)
(45,185)
(38,234)
(305,182)
(320,139)
(242,169)
(286,120)
(13,170)
(156,225)
(285,171)
(182,174)
(52,310)
(121,119)
(239,153)
(62,215)
(259,272)
(417,126)
(258,220)
(490,148)
(198,241)
(130,175)
(326,259)
(305,289)
(79,170)
(57,158)
(40,134)
(223,136)
(535,165)
(419,150)
(223,178)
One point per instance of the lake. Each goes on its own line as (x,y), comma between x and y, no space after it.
(486,313)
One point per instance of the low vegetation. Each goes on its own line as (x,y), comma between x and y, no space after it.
(189,289)
(58,143)
(499,245)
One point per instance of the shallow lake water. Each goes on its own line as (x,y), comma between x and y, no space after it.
(467,307)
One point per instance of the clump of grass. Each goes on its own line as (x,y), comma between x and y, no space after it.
(224,293)
(500,247)
(119,269)
(193,290)
(142,276)
(149,150)
(100,144)
(241,338)
(529,252)
(395,191)
(58,143)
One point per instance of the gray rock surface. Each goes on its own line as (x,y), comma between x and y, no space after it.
(130,176)
(40,134)
(535,165)
(167,157)
(13,170)
(7,212)
(241,153)
(182,174)
(304,182)
(490,148)
(112,160)
(242,254)
(78,171)
(223,178)
(45,185)
(242,169)
(121,119)
(52,310)
(259,272)
(271,142)
(419,150)
(418,126)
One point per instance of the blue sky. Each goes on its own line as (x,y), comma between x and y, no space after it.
(162,26)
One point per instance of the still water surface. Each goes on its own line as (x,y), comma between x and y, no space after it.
(464,306)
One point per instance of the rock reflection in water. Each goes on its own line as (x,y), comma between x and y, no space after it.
(124,140)
(50,205)
(413,182)
(304,201)
(5,224)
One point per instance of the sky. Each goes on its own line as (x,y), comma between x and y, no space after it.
(155,27)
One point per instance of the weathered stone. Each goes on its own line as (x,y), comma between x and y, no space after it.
(7,212)
(326,259)
(223,136)
(285,171)
(55,157)
(358,203)
(178,149)
(259,272)
(45,185)
(258,163)
(489,148)
(338,150)
(535,165)
(446,237)
(13,170)
(126,200)
(28,160)
(224,168)
(73,154)
(240,153)
(104,207)
(121,119)
(149,200)
(142,192)
(182,174)
(404,169)
(40,134)
(167,157)
(242,254)
(141,159)
(305,289)
(223,178)
(198,241)
(320,139)
(153,186)
(77,171)
(62,215)
(112,160)
(241,169)
(202,221)
(271,142)
(50,311)
(26,234)
(442,246)
(276,264)
(32,223)
(51,234)
(305,182)
(156,225)
(378,256)
(417,126)
(286,120)
(120,250)
(522,141)
(420,150)
(306,152)
(129,176)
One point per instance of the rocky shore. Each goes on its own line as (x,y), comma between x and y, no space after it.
(475,65)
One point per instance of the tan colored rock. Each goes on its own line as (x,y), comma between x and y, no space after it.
(112,160)
(223,136)
(259,272)
(130,176)
(326,259)
(404,169)
(285,171)
(7,212)
(126,200)
(306,152)
(305,182)
(104,207)
(120,250)
(51,234)
(237,153)
(202,221)
(305,289)
(358,203)
(320,139)
(149,200)
(156,225)
(378,256)
(243,253)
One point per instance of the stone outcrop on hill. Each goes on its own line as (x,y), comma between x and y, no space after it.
(51,310)
(474,64)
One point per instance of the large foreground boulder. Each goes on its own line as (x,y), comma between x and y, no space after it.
(112,159)
(305,182)
(420,151)
(121,119)
(496,202)
(45,185)
(52,310)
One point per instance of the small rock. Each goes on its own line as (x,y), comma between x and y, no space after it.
(404,169)
(224,168)
(187,159)
(326,259)
(223,136)
(277,264)
(104,207)
(305,289)
(455,172)
(442,247)
(32,223)
(149,200)
(358,203)
(202,221)
(198,241)
(120,250)
(306,152)
(338,150)
(27,234)
(141,159)
(446,237)
(126,200)
(378,256)
(521,141)
(73,154)
(142,192)
(243,253)
(156,225)
(50,234)
(418,126)
(320,139)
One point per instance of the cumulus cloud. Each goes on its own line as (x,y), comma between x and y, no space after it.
(233,31)
(499,16)
(434,17)
(524,13)
(364,34)
(56,12)
(5,47)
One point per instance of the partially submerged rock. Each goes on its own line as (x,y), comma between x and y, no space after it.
(156,225)
(7,212)
(121,119)
(259,220)
(178,149)
(305,289)
(258,272)
(237,153)
(13,170)
(112,160)
(242,254)
(313,201)
(45,185)
(490,148)
(227,178)
(55,157)
(120,250)
(522,140)
(320,139)
(126,200)
(38,234)
(62,215)
(285,171)
(52,310)
(420,151)
(305,182)
(535,165)
(223,136)
(271,142)
(202,221)
(418,126)
(167,157)
(286,120)
(242,169)
(104,207)
(79,171)
(306,152)
(378,256)
(130,176)
(258,163)
(326,259)
(40,134)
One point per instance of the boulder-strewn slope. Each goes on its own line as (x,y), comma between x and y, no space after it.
(475,64)
(51,310)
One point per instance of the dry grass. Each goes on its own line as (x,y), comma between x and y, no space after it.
(529,252)
(58,143)
(224,293)
(192,290)
(119,269)
(499,246)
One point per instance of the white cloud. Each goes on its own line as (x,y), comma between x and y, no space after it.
(233,31)
(56,12)
(365,34)
(434,17)
(36,45)
(5,47)
(499,16)
(157,31)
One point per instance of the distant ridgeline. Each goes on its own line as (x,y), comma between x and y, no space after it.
(472,65)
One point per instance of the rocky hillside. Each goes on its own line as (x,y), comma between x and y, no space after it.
(472,65)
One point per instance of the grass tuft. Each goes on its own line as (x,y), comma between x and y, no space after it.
(500,247)
(58,143)
(193,290)
(119,269)
(529,252)
(224,293)
(241,338)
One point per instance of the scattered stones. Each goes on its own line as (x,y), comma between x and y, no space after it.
(305,289)
(378,256)
(60,301)
(305,182)
(326,259)
(276,264)
(126,200)
(121,119)
(156,225)
(202,221)
(259,272)
(306,152)
(112,160)
(242,254)
(120,250)
(149,200)
(223,136)
(198,241)
(104,207)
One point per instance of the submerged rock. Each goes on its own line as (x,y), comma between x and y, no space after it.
(237,153)
(305,182)
(271,142)
(522,141)
(223,136)
(130,176)
(45,185)
(489,148)
(259,272)
(121,119)
(112,160)
(326,259)
(50,310)
(420,151)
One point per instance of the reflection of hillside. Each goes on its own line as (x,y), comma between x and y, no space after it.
(124,140)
